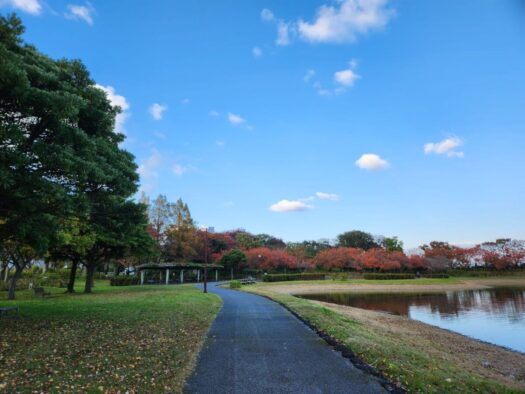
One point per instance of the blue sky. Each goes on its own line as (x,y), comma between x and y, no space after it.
(264,109)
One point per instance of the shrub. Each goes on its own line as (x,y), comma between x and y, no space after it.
(287,277)
(436,276)
(235,284)
(124,281)
(389,276)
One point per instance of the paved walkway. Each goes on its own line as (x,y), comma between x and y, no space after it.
(257,346)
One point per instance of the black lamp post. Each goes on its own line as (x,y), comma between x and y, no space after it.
(206,260)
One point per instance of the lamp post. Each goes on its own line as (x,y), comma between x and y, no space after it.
(206,260)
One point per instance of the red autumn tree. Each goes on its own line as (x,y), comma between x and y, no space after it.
(269,259)
(341,258)
(417,262)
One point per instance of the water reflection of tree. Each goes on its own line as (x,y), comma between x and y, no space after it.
(509,302)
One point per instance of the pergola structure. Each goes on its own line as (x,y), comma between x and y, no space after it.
(168,268)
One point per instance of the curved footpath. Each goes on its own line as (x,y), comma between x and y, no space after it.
(257,346)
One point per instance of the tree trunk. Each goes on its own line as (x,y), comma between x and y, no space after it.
(90,273)
(72,276)
(231,272)
(12,283)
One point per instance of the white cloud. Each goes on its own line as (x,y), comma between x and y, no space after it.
(445,147)
(117,100)
(283,34)
(327,196)
(267,15)
(257,52)
(157,110)
(235,119)
(290,206)
(30,6)
(220,143)
(346,77)
(179,169)
(343,23)
(82,12)
(213,113)
(371,161)
(309,75)
(185,101)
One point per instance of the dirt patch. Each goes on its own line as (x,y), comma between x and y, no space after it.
(490,361)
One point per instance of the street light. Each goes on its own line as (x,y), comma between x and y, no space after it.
(205,259)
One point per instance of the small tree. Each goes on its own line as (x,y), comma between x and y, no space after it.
(233,260)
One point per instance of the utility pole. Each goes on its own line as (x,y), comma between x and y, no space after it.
(206,260)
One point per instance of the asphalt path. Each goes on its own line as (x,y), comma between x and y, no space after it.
(257,346)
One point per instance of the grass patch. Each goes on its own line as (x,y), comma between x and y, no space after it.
(133,338)
(412,362)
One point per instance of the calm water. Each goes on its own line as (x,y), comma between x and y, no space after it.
(496,315)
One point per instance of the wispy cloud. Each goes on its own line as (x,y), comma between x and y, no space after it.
(302,204)
(157,110)
(283,34)
(33,7)
(148,170)
(235,119)
(256,52)
(179,169)
(372,162)
(342,80)
(446,147)
(213,113)
(119,101)
(185,101)
(220,143)
(81,12)
(267,15)
(309,75)
(327,196)
(290,206)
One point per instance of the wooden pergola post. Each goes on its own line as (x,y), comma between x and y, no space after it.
(141,277)
(167,276)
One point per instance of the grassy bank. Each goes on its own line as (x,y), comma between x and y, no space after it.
(136,339)
(419,357)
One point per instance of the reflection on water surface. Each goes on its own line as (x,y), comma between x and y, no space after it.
(493,315)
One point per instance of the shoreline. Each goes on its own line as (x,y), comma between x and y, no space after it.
(416,355)
(303,287)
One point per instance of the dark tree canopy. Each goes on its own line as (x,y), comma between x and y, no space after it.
(357,239)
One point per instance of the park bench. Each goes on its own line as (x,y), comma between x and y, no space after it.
(4,310)
(40,292)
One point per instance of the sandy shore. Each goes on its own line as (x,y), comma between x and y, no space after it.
(489,361)
(464,284)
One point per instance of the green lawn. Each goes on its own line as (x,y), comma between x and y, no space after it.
(136,339)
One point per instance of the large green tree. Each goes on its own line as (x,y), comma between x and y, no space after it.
(60,158)
(357,239)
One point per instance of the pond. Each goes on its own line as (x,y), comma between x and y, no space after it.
(493,315)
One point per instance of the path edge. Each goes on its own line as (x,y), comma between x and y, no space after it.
(345,350)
